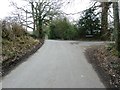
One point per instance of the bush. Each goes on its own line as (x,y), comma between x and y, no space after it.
(19,46)
(62,29)
(111,48)
(15,40)
(11,30)
(18,30)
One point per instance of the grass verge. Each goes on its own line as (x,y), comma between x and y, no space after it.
(107,65)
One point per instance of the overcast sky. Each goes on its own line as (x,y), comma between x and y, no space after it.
(74,7)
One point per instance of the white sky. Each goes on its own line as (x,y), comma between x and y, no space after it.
(74,7)
(4,8)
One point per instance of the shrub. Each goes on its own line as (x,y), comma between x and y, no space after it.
(62,29)
(11,30)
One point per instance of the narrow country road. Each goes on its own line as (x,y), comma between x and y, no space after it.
(58,64)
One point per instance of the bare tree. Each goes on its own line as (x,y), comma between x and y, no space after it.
(40,12)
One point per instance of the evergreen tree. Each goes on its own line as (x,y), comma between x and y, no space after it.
(89,24)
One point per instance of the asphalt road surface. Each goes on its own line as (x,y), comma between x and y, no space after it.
(58,64)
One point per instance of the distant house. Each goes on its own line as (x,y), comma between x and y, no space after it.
(90,34)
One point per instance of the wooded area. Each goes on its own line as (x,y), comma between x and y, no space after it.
(45,18)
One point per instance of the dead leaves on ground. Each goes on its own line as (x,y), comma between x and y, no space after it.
(18,47)
(106,60)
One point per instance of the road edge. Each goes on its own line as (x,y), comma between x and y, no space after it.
(100,71)
(12,65)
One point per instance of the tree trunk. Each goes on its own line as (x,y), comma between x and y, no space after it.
(40,29)
(33,15)
(116,26)
(104,20)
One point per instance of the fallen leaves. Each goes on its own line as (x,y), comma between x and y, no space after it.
(105,59)
(21,45)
